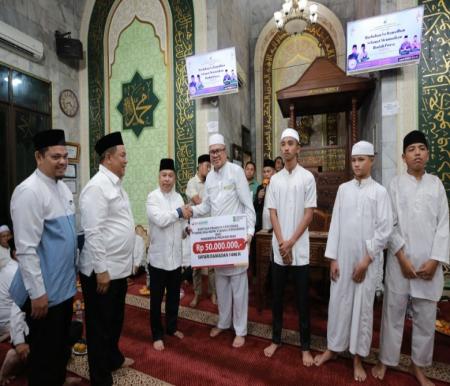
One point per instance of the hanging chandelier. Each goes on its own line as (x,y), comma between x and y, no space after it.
(295,16)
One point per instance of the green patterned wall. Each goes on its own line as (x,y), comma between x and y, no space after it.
(434,87)
(139,50)
(183,117)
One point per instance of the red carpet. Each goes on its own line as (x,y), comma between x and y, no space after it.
(319,311)
(200,360)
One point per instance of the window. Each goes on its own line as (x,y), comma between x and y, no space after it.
(25,109)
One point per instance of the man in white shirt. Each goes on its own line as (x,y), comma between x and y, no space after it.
(12,321)
(194,192)
(5,236)
(360,228)
(43,215)
(106,258)
(291,199)
(418,247)
(165,212)
(227,192)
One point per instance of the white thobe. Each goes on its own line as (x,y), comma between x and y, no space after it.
(5,256)
(227,192)
(12,319)
(360,226)
(421,228)
(108,225)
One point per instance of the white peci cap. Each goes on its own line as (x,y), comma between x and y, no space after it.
(290,133)
(4,228)
(363,148)
(216,139)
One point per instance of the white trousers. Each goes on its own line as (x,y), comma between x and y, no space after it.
(232,299)
(392,323)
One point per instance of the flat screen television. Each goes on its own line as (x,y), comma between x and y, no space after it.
(385,41)
(211,74)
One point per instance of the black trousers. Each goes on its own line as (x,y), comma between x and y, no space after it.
(161,280)
(300,275)
(49,341)
(104,315)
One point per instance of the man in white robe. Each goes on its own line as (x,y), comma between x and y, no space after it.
(12,321)
(227,192)
(418,247)
(359,231)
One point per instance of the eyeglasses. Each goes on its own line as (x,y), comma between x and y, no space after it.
(216,151)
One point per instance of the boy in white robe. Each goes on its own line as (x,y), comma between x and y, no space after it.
(418,247)
(359,230)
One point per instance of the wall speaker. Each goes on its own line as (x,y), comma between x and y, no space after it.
(68,48)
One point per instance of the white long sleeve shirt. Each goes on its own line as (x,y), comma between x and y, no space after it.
(11,316)
(166,229)
(227,192)
(361,223)
(108,225)
(43,215)
(421,228)
(290,194)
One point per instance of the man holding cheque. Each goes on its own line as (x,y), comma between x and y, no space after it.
(227,193)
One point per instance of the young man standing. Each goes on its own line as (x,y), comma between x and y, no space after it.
(291,199)
(106,258)
(43,215)
(195,191)
(418,247)
(359,231)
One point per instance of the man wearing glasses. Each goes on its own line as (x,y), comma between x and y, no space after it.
(227,192)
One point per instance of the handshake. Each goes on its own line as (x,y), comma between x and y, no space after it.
(186,211)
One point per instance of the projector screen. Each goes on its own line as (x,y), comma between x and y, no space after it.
(384,41)
(213,73)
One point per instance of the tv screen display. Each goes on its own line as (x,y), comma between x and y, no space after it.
(384,41)
(213,73)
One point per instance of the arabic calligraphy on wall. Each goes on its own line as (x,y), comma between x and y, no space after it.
(434,89)
(184,110)
(138,104)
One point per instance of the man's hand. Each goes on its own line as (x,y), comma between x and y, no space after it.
(408,270)
(359,273)
(196,199)
(22,350)
(427,270)
(103,281)
(334,270)
(187,212)
(39,307)
(285,247)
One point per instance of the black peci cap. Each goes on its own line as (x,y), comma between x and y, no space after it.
(108,141)
(49,138)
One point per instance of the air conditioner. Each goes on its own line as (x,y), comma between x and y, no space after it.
(18,42)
